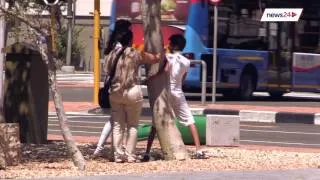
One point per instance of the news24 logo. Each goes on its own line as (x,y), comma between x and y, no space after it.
(51,2)
(281,14)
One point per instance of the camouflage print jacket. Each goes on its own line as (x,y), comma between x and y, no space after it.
(127,70)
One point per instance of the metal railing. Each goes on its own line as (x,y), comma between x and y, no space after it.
(204,79)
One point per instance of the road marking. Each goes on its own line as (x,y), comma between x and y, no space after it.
(94,127)
(76,113)
(282,132)
(257,126)
(55,117)
(87,122)
(89,132)
(286,143)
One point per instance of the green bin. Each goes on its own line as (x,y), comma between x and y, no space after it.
(200,121)
(143,131)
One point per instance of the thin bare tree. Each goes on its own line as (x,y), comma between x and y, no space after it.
(44,30)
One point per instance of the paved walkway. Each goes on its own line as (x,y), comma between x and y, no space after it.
(306,174)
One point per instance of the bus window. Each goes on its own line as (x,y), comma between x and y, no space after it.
(309,37)
(237,30)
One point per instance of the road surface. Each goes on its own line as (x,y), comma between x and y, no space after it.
(269,134)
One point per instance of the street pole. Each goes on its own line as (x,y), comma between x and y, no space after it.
(2,44)
(96,55)
(74,14)
(69,44)
(53,28)
(214,64)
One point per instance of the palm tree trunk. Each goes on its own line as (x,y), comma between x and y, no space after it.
(158,88)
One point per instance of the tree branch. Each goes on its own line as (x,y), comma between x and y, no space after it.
(25,21)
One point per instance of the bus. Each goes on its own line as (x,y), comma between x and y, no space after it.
(273,57)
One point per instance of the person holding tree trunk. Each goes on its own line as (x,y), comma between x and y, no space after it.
(126,94)
(177,66)
(121,25)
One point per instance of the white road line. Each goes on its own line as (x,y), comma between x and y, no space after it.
(281,132)
(92,127)
(87,122)
(76,113)
(89,132)
(286,143)
(55,117)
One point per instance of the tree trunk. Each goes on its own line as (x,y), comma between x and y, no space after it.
(73,150)
(158,88)
(3,163)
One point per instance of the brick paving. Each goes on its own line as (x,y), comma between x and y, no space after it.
(74,106)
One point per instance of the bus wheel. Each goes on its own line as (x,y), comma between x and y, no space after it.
(276,94)
(246,87)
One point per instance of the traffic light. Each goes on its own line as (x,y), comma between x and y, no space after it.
(51,2)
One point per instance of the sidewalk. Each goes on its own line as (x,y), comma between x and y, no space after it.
(305,174)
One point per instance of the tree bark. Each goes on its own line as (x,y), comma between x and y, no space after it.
(3,163)
(77,157)
(73,150)
(158,86)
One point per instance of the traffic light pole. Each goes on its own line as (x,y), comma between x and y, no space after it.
(96,55)
(69,45)
(214,64)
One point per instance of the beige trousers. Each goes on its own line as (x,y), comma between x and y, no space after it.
(126,109)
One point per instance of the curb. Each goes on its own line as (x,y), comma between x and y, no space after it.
(265,116)
(245,115)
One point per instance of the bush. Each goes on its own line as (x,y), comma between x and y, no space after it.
(77,47)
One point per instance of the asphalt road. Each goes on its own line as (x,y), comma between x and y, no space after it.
(269,134)
(292,99)
(287,135)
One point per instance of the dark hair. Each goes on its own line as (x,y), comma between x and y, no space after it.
(178,40)
(120,26)
(124,37)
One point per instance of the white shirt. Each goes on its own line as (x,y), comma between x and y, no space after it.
(178,66)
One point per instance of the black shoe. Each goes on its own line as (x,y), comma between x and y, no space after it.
(145,158)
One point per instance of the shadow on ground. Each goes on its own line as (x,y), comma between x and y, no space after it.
(56,151)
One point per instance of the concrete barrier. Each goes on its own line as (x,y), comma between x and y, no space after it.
(257,116)
(222,130)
